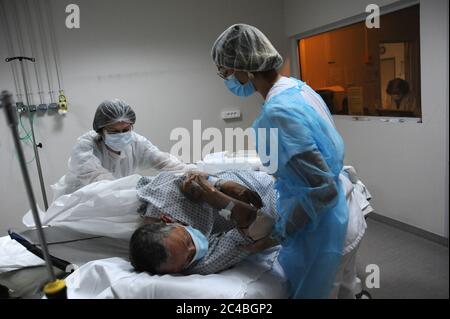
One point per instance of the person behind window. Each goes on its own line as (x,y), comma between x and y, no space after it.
(402,97)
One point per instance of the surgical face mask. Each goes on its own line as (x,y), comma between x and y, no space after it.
(396,97)
(118,141)
(235,87)
(200,242)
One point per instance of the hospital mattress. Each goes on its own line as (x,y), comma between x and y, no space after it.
(258,277)
(68,247)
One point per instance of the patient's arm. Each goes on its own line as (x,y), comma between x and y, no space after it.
(190,188)
(198,188)
(243,214)
(241,193)
(235,190)
(260,245)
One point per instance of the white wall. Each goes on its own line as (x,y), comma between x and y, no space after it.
(153,54)
(404,165)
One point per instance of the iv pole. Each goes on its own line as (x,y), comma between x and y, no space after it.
(56,288)
(35,146)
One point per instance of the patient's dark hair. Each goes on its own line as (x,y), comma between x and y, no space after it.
(397,86)
(147,251)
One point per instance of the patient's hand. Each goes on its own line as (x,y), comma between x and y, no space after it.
(195,174)
(242,214)
(190,187)
(242,193)
(196,187)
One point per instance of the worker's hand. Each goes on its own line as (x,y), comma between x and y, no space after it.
(242,193)
(260,245)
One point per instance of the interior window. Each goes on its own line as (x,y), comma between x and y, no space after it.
(361,71)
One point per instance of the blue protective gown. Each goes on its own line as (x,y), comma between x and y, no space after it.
(311,201)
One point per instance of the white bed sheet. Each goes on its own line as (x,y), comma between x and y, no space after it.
(14,256)
(105,208)
(259,277)
(108,208)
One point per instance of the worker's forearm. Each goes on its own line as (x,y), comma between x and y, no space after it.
(320,203)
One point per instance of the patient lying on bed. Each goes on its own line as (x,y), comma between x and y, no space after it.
(186,229)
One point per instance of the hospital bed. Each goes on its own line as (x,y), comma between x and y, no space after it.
(88,232)
(88,235)
(102,270)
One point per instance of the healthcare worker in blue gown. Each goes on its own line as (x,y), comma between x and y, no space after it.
(311,204)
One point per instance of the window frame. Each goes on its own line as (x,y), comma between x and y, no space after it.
(295,66)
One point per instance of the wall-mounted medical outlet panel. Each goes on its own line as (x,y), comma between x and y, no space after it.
(233,114)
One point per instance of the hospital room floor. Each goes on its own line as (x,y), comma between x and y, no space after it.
(410,266)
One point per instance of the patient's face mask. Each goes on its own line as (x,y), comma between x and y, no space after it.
(118,141)
(200,241)
(242,90)
(397,97)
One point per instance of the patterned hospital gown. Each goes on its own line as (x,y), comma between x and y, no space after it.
(162,195)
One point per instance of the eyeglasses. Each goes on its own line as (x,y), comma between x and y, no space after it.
(118,131)
(224,73)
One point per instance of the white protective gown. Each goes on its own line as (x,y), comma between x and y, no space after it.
(91,161)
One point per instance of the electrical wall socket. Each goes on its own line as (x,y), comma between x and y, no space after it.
(228,115)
